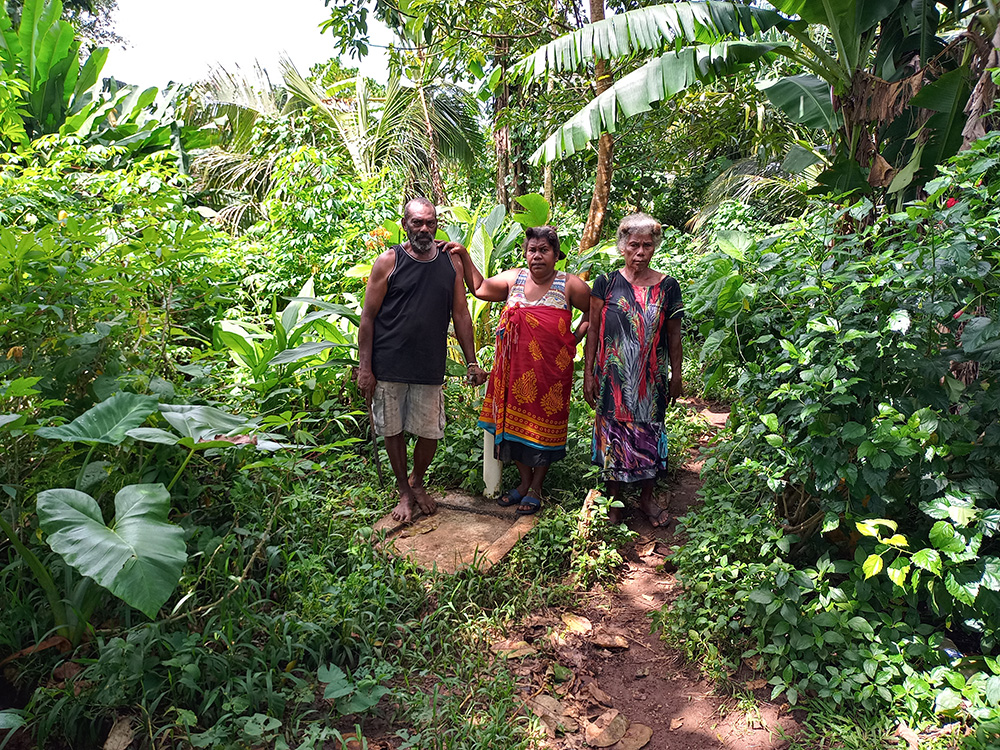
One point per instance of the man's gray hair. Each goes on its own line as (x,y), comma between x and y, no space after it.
(639,224)
(420,201)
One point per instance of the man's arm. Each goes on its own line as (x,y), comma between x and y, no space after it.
(463,327)
(378,284)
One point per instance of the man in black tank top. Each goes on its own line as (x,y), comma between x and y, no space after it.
(414,291)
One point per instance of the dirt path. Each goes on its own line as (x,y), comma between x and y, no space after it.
(595,675)
(645,682)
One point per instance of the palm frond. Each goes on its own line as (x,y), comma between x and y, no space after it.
(649,29)
(774,193)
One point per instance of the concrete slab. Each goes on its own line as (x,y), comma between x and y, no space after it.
(466,530)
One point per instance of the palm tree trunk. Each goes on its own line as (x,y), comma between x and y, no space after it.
(501,133)
(605,163)
(437,184)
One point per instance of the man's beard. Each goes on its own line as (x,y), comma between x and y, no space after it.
(422,242)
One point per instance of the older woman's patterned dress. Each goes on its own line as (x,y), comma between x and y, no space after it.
(629,441)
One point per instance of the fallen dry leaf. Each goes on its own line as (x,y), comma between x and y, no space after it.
(756,684)
(236,439)
(421,527)
(121,734)
(56,641)
(552,714)
(66,670)
(512,649)
(676,724)
(599,695)
(576,623)
(608,640)
(638,735)
(352,742)
(607,729)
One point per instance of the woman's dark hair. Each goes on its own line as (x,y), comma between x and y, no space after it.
(546,233)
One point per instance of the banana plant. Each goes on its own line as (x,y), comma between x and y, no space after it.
(860,88)
(45,53)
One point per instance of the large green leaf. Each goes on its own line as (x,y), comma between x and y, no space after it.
(646,29)
(296,308)
(536,210)
(656,81)
(947,97)
(304,351)
(106,422)
(203,422)
(804,99)
(139,559)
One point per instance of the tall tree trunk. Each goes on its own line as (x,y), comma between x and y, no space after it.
(501,132)
(437,184)
(605,163)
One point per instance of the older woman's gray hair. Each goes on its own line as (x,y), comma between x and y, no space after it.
(639,224)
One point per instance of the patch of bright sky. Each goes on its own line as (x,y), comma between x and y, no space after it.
(181,40)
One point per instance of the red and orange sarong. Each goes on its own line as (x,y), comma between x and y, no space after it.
(527,399)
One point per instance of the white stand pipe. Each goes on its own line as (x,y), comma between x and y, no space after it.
(491,468)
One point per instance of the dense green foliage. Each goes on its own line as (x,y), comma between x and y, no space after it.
(848,544)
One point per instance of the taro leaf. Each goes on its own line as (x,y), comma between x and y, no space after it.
(153,435)
(94,473)
(338,685)
(139,559)
(107,422)
(363,699)
(202,422)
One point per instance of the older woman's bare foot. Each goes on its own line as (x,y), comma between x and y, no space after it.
(425,502)
(615,515)
(658,517)
(404,511)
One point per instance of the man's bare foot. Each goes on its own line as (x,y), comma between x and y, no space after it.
(425,502)
(404,511)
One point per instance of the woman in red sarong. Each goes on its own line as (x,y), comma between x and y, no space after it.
(527,400)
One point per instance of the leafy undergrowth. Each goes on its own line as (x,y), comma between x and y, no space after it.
(846,551)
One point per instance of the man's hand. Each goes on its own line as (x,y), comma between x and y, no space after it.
(366,382)
(590,389)
(676,388)
(476,375)
(454,248)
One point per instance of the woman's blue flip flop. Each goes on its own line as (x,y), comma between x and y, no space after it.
(533,504)
(511,498)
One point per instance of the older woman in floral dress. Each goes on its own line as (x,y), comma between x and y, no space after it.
(635,326)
